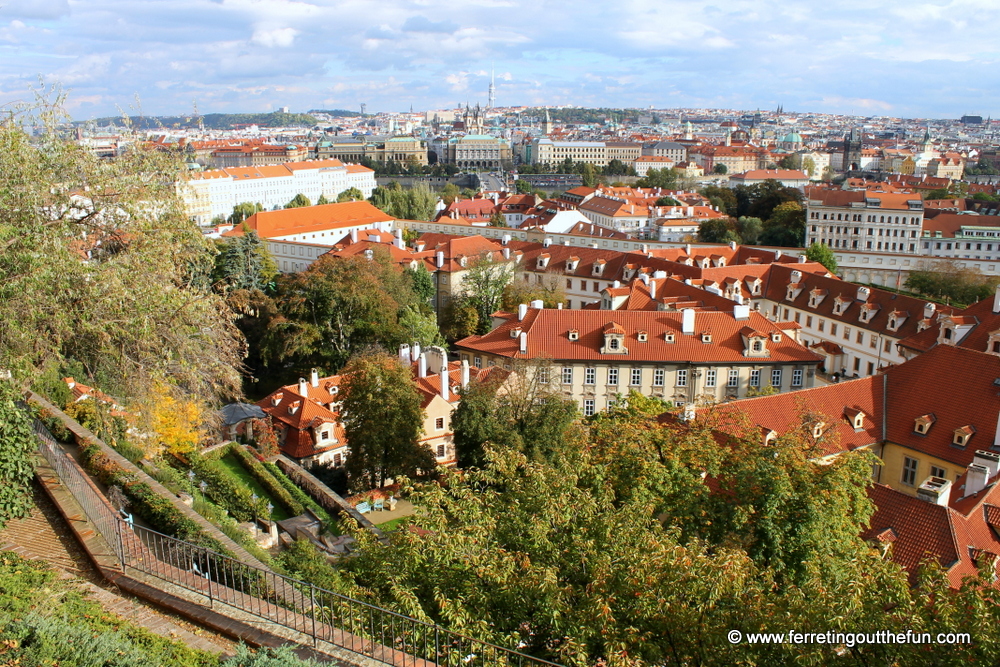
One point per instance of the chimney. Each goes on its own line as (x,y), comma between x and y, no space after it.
(936,490)
(996,300)
(419,246)
(422,365)
(440,259)
(644,277)
(989,460)
(803,259)
(777,255)
(506,252)
(538,304)
(652,289)
(741,312)
(659,274)
(732,245)
(404,353)
(314,378)
(399,239)
(522,310)
(687,249)
(546,242)
(976,478)
(414,352)
(465,373)
(524,342)
(506,239)
(303,388)
(687,323)
(70,382)
(559,305)
(354,236)
(445,389)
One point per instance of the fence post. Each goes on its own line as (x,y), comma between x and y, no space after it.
(121,543)
(312,600)
(208,580)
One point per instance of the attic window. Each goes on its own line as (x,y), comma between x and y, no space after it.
(515,332)
(757,346)
(923,423)
(866,314)
(962,435)
(643,336)
(276,399)
(817,429)
(856,418)
(669,337)
(775,336)
(706,337)
(755,288)
(613,344)
(574,334)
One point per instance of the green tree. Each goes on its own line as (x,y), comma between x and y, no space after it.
(809,166)
(138,311)
(420,327)
(749,229)
(382,421)
(716,230)
(449,193)
(459,319)
(821,252)
(244,262)
(720,168)
(422,282)
(589,175)
(945,280)
(498,220)
(791,161)
(667,201)
(298,201)
(335,308)
(483,284)
(659,178)
(17,449)
(416,203)
(243,211)
(722,198)
(322,200)
(786,227)
(522,187)
(350,194)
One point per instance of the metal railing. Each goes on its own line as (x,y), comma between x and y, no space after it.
(321,615)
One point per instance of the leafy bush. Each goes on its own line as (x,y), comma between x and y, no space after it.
(266,657)
(151,507)
(228,525)
(266,479)
(227,491)
(55,425)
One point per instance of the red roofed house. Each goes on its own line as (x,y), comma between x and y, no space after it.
(681,356)
(307,418)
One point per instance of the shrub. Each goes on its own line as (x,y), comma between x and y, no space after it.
(307,501)
(55,425)
(266,479)
(226,490)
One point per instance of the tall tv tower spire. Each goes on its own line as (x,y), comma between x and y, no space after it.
(493,89)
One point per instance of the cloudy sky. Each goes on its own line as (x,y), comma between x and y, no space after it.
(866,57)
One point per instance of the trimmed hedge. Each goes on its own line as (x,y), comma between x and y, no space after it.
(148,505)
(307,501)
(266,479)
(227,491)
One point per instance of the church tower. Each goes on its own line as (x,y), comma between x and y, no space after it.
(547,126)
(852,150)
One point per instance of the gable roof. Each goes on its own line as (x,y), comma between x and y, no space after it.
(306,219)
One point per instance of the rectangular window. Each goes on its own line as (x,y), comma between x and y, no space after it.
(567,375)
(338,459)
(636,377)
(682,378)
(888,345)
(909,471)
(871,368)
(833,329)
(857,364)
(569,283)
(873,343)
(477,362)
(590,376)
(324,435)
(809,321)
(441,451)
(847,333)
(938,472)
(710,375)
(613,376)
(588,407)
(658,377)
(776,378)
(597,287)
(734,378)
(754,378)
(861,337)
(822,325)
(797,377)
(439,424)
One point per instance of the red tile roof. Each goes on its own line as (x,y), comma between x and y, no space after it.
(306,219)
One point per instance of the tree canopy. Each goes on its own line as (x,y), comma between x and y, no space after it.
(100,266)
(244,262)
(821,252)
(382,418)
(298,201)
(416,203)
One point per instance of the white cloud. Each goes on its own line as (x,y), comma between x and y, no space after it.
(282,37)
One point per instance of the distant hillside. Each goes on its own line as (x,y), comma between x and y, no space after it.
(337,113)
(212,121)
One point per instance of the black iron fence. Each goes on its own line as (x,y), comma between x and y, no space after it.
(224,582)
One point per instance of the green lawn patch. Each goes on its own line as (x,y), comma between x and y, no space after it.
(232,464)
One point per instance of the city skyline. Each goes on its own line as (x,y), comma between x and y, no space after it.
(931,60)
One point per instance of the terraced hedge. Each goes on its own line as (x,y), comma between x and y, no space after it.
(266,479)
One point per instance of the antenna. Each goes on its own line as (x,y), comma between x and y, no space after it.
(493,88)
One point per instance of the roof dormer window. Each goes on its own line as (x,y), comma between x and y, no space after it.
(706,337)
(642,336)
(515,332)
(668,337)
(757,346)
(775,336)
(993,344)
(923,423)
(817,429)
(598,269)
(276,398)
(962,435)
(543,260)
(572,263)
(856,418)
(574,334)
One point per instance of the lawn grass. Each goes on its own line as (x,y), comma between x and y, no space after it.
(394,524)
(232,464)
